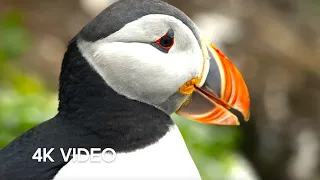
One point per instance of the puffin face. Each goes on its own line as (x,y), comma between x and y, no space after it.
(160,59)
(148,59)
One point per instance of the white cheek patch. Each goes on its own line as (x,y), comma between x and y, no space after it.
(146,29)
(140,71)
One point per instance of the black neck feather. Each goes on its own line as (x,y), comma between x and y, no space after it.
(86,100)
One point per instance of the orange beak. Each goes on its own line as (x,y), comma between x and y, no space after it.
(219,88)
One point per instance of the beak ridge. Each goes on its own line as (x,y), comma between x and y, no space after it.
(221,87)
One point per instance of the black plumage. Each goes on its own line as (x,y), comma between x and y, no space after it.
(90,115)
(123,12)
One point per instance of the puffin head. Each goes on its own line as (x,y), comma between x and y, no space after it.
(149,51)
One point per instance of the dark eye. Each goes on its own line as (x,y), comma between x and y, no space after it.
(166,42)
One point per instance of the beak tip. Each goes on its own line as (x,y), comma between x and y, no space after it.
(246,115)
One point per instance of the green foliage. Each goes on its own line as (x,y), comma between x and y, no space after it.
(20,112)
(24,101)
(314,6)
(14,39)
(210,146)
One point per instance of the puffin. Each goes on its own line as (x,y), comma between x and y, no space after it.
(122,77)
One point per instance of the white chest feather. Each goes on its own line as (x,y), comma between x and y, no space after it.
(169,158)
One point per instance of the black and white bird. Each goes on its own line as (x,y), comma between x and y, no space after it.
(123,75)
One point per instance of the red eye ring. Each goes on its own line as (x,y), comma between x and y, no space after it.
(166,42)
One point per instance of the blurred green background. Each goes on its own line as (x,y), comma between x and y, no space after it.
(274,43)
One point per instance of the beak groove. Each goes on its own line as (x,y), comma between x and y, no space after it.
(220,87)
